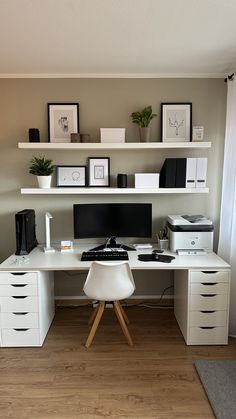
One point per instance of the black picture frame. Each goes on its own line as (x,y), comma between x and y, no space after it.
(180,131)
(63,120)
(71,176)
(99,172)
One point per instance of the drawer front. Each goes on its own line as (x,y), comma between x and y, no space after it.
(208,318)
(212,336)
(16,304)
(209,288)
(208,302)
(20,337)
(19,320)
(18,278)
(18,289)
(209,276)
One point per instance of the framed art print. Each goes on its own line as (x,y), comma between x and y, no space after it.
(176,122)
(69,176)
(63,120)
(99,171)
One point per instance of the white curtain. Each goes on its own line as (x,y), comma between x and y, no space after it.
(227,237)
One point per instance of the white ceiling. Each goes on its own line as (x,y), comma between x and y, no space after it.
(117,37)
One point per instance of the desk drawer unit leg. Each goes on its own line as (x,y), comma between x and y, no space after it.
(26,307)
(202,306)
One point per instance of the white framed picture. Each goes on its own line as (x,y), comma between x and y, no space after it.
(69,176)
(63,120)
(99,171)
(176,122)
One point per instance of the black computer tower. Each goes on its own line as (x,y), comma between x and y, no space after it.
(25,231)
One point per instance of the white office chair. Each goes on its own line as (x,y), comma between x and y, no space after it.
(109,282)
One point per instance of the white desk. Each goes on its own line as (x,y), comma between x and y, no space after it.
(27,306)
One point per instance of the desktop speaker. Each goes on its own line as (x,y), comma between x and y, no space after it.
(34,135)
(121,181)
(25,232)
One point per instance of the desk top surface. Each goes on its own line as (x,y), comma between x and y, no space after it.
(37,260)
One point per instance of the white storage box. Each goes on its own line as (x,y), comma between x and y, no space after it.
(146,180)
(112,135)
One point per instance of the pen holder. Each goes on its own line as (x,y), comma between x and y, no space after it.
(163,244)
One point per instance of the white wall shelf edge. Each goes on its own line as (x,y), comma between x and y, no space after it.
(114,146)
(114,191)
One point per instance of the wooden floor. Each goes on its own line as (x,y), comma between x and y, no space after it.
(63,380)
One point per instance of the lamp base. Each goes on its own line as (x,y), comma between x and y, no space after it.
(48,250)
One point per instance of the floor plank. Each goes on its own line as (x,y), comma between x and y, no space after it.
(155,378)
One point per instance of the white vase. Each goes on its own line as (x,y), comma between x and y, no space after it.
(44,181)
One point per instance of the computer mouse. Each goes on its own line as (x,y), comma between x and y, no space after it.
(155,256)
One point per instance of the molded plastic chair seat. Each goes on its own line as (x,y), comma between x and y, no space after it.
(109,282)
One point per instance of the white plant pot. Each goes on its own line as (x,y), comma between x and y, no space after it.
(44,181)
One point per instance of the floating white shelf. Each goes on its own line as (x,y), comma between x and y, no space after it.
(114,146)
(114,191)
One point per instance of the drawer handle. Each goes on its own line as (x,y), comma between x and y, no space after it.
(19,296)
(209,272)
(208,283)
(20,330)
(208,295)
(20,314)
(18,285)
(18,273)
(207,311)
(207,327)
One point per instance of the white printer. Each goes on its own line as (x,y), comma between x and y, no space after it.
(190,233)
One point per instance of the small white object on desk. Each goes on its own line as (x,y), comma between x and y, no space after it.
(66,246)
(143,246)
(48,248)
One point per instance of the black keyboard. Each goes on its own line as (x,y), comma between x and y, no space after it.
(107,255)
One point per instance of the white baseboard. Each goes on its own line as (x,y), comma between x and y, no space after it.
(134,297)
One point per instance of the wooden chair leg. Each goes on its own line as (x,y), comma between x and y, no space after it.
(123,313)
(93,315)
(122,323)
(95,324)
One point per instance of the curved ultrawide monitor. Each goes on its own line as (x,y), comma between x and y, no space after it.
(107,220)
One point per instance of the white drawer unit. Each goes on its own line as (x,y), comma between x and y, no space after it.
(19,320)
(209,288)
(202,306)
(7,278)
(208,302)
(20,337)
(208,335)
(18,290)
(19,304)
(209,276)
(26,307)
(208,318)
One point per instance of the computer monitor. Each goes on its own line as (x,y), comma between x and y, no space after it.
(111,221)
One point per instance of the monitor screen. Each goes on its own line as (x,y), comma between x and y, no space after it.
(107,220)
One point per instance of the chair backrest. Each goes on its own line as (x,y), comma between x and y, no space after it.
(109,281)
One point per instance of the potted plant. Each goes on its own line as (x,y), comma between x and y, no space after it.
(43,169)
(143,119)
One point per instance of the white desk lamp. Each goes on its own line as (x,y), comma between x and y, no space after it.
(48,247)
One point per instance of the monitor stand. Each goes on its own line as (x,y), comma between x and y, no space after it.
(111,243)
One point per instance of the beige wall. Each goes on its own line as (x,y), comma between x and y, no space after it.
(103,103)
